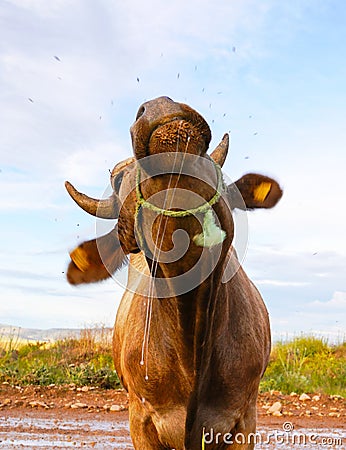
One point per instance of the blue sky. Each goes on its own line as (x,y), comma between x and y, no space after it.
(272,73)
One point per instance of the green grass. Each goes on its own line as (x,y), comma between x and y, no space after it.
(304,364)
(83,361)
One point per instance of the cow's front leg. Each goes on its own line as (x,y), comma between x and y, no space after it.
(143,432)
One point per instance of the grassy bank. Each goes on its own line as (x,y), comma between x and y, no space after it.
(304,364)
(86,360)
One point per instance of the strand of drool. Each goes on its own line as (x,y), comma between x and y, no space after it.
(145,346)
(145,343)
(157,250)
(157,254)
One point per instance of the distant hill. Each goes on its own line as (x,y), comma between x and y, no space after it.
(30,334)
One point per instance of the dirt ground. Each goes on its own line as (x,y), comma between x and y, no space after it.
(88,417)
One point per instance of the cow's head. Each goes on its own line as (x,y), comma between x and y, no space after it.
(170,172)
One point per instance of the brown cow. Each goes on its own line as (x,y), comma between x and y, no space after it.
(190,344)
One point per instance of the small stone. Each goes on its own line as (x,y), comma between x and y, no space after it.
(304,397)
(79,405)
(85,389)
(334,414)
(116,408)
(293,394)
(276,407)
(277,414)
(316,398)
(336,397)
(273,392)
(308,413)
(36,404)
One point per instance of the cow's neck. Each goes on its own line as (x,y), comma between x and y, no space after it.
(195,312)
(205,301)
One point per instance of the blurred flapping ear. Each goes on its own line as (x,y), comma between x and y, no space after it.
(257,191)
(96,260)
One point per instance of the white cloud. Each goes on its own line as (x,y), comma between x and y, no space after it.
(337,302)
(281,266)
(84,166)
(27,195)
(42,298)
(53,311)
(40,7)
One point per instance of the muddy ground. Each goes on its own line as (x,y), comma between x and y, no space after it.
(70,417)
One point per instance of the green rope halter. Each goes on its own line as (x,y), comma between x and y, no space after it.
(211,234)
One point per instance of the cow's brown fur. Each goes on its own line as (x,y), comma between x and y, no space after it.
(208,347)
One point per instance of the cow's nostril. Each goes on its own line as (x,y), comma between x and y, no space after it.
(140,113)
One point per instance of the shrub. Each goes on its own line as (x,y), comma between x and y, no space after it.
(306,364)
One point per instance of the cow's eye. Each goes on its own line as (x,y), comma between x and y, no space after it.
(116,181)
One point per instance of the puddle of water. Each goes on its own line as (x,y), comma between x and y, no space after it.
(48,424)
(48,434)
(43,442)
(25,440)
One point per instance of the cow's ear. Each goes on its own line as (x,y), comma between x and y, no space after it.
(96,260)
(257,191)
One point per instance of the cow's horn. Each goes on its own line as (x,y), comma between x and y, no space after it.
(220,153)
(105,209)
